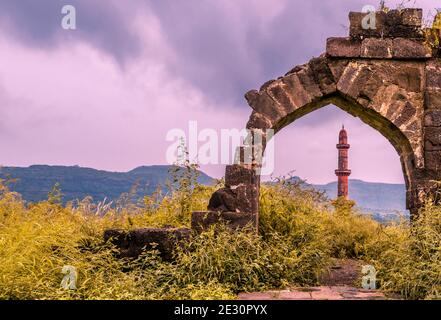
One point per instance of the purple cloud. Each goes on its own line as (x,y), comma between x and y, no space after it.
(106,94)
(101,23)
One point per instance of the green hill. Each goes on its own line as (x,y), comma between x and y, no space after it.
(34,182)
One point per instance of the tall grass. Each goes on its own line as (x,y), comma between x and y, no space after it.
(300,232)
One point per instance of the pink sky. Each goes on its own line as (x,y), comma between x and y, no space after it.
(105,95)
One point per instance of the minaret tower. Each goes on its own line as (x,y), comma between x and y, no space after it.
(343,171)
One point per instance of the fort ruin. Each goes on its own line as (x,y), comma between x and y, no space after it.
(389,77)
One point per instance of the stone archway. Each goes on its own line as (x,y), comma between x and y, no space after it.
(389,77)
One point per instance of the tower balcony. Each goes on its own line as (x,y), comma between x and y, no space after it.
(343,146)
(343,172)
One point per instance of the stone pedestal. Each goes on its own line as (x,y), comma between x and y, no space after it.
(132,243)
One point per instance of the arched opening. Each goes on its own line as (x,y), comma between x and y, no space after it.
(385,95)
(370,117)
(306,149)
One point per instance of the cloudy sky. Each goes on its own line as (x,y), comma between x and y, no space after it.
(106,94)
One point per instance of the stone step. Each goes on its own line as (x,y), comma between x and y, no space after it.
(316,293)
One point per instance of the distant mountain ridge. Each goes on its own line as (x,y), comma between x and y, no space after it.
(385,201)
(34,182)
(372,195)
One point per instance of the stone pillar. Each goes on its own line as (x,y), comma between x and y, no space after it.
(237,204)
(432,118)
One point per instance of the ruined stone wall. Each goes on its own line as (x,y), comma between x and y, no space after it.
(389,77)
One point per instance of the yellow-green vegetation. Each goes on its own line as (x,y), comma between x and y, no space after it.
(300,232)
(432,30)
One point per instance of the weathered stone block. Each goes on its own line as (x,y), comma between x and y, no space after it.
(259,121)
(309,83)
(323,75)
(278,93)
(414,199)
(202,221)
(401,31)
(432,138)
(411,17)
(338,67)
(266,85)
(356,29)
(132,243)
(406,115)
(251,97)
(410,49)
(432,118)
(409,199)
(242,198)
(359,82)
(297,92)
(224,200)
(343,48)
(416,196)
(236,175)
(393,97)
(262,103)
(433,160)
(346,82)
(395,23)
(370,88)
(411,129)
(296,69)
(433,99)
(407,75)
(433,75)
(404,23)
(247,197)
(376,48)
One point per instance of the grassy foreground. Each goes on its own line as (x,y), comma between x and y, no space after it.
(299,234)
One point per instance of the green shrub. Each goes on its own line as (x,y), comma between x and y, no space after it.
(408,258)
